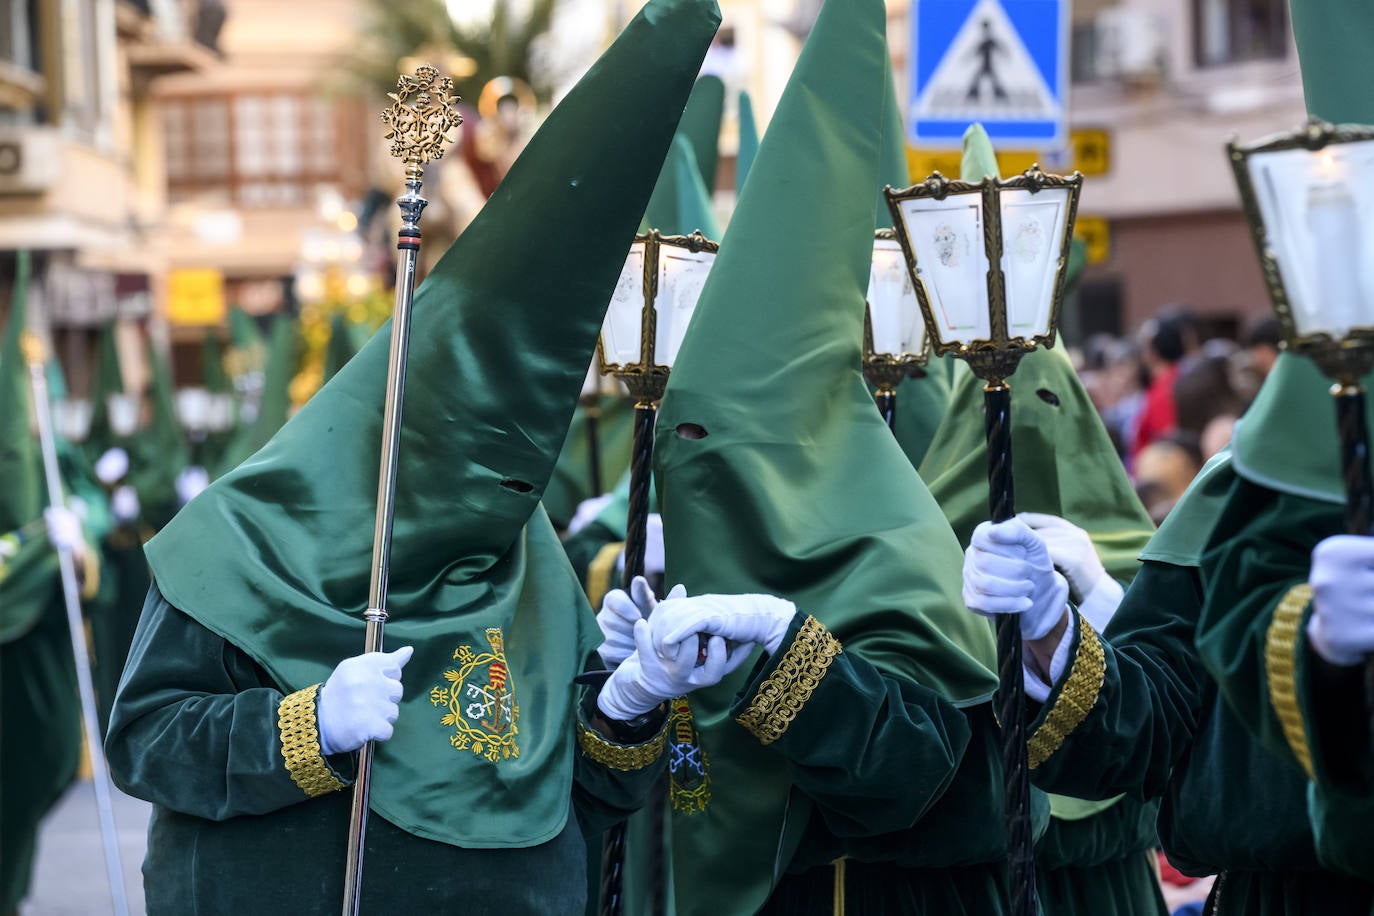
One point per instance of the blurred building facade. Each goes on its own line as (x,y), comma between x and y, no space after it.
(81,177)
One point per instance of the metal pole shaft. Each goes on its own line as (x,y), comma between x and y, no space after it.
(886,399)
(1359,490)
(100,774)
(1011,688)
(411,204)
(636,540)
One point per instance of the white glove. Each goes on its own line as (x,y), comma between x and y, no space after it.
(654,562)
(112,466)
(619,612)
(64,529)
(587,511)
(1341,628)
(1074,555)
(1008,570)
(124,504)
(761,619)
(190,482)
(360,701)
(1070,548)
(644,680)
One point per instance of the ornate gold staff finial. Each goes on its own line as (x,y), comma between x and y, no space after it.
(420,117)
(32,348)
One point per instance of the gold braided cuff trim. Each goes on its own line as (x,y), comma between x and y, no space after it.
(1280,659)
(1076,697)
(300,743)
(624,757)
(783,693)
(600,571)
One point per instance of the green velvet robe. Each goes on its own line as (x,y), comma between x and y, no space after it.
(904,786)
(40,714)
(1140,715)
(1253,639)
(196,732)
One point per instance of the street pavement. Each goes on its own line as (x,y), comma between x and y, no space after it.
(69,874)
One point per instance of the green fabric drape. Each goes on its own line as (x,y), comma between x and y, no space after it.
(571,479)
(341,346)
(748,142)
(159,451)
(274,557)
(805,496)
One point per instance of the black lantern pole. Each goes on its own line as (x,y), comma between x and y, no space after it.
(994,360)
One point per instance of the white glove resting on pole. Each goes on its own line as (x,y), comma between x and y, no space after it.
(619,612)
(1008,570)
(761,619)
(361,700)
(1341,628)
(644,679)
(1071,548)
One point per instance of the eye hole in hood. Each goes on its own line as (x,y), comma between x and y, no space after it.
(1049,397)
(691,431)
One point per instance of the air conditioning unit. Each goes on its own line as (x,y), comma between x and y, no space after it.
(30,160)
(1131,45)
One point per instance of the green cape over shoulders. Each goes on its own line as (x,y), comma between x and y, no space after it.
(275,556)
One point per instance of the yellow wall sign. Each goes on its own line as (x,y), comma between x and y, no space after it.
(1090,153)
(195,296)
(1096,236)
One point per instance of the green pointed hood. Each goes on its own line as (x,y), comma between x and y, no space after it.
(802,494)
(340,348)
(1062,458)
(275,402)
(748,142)
(701,125)
(159,451)
(21,496)
(893,170)
(275,555)
(108,380)
(680,203)
(1287,440)
(212,356)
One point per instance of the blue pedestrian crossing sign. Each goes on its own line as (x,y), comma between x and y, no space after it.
(1003,63)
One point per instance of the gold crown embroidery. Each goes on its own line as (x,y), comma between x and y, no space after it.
(479,695)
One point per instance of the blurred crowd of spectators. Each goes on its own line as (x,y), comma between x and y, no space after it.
(1170,400)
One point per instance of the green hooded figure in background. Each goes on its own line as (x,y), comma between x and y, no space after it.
(244,696)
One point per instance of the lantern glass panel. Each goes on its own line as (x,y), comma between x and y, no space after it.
(1316,207)
(894,313)
(947,243)
(1033,226)
(623,330)
(681,275)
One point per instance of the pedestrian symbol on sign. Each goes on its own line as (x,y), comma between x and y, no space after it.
(998,62)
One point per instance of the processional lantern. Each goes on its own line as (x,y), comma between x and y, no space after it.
(646,322)
(650,308)
(1308,196)
(988,260)
(895,341)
